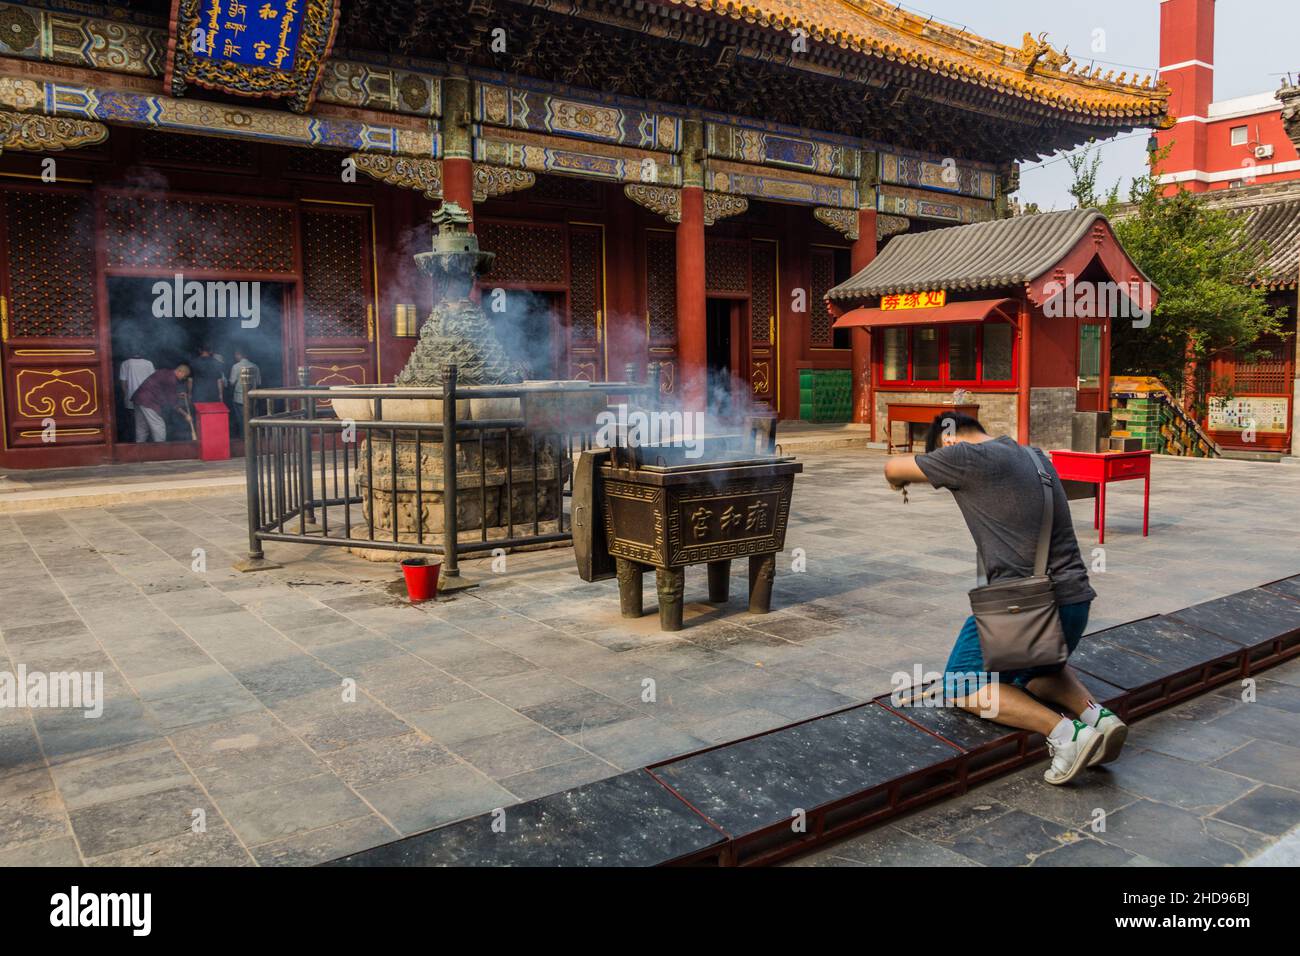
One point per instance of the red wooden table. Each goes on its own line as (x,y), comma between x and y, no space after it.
(918,413)
(1100,468)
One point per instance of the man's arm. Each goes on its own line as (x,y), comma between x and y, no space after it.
(903,469)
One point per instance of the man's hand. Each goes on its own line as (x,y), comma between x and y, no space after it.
(902,470)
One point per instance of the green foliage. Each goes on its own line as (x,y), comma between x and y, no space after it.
(1205,265)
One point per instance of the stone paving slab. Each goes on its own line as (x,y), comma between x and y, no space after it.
(1222,806)
(242,676)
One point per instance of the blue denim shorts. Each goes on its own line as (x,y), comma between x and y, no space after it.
(967,660)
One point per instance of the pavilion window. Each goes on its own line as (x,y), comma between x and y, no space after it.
(895,349)
(925,353)
(968,354)
(998,351)
(963,348)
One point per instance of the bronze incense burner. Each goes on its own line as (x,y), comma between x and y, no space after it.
(732,503)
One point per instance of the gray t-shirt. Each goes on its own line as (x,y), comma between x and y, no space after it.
(997,489)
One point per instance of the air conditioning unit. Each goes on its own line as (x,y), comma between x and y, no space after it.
(1264,152)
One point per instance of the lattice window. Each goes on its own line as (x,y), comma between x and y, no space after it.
(661,286)
(567,190)
(726,265)
(315,162)
(51,264)
(584,282)
(155,146)
(197,234)
(1271,375)
(823,280)
(525,253)
(762,303)
(333,275)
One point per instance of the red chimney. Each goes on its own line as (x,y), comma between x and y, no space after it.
(1187,66)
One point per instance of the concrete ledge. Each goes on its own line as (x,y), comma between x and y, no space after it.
(98,496)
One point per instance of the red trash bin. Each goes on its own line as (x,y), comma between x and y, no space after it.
(214,430)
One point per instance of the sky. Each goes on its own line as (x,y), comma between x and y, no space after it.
(1255,43)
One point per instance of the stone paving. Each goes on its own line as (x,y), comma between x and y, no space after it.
(225,692)
(1211,782)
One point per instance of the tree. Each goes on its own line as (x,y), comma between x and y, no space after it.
(1204,263)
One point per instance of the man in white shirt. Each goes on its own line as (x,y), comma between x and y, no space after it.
(133,371)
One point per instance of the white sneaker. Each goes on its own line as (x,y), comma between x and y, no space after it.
(1113,732)
(1069,758)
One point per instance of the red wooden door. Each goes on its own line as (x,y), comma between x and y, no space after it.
(338,299)
(56,388)
(1091,367)
(586,346)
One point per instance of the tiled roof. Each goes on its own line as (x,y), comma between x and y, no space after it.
(1272,214)
(1034,71)
(983,255)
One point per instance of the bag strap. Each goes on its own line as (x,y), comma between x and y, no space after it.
(1043,547)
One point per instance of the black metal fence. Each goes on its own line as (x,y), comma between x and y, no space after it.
(314,478)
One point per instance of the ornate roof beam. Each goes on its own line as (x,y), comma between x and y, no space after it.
(39,134)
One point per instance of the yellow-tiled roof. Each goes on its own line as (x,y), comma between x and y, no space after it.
(1033,71)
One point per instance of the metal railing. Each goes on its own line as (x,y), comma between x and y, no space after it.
(311,476)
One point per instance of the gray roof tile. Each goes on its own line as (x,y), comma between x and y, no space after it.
(983,255)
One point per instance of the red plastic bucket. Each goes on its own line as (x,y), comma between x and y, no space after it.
(421,578)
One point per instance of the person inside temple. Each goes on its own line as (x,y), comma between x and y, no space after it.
(237,388)
(159,394)
(131,374)
(208,383)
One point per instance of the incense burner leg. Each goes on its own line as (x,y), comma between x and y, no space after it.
(719,581)
(762,569)
(670,585)
(629,587)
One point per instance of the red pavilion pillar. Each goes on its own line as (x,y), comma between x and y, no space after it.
(692,336)
(864,401)
(457,148)
(692,342)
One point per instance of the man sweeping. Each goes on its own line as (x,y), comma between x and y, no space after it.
(157,395)
(999,488)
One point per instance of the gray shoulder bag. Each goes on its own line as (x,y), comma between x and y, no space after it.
(1018,622)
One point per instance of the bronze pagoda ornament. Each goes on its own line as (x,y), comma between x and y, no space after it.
(457,331)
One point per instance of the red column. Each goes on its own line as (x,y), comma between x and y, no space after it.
(864,401)
(1022,393)
(458,183)
(692,347)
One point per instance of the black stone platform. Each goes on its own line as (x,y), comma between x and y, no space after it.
(784,791)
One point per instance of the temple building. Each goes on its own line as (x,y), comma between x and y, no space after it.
(1239,153)
(671,185)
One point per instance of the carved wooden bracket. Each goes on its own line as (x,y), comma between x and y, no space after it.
(721,205)
(424,175)
(499,180)
(666,201)
(887,226)
(843,221)
(32,132)
(662,200)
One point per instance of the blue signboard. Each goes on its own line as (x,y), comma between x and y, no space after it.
(262,33)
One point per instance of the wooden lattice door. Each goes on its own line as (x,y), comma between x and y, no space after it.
(762,318)
(55,392)
(586,303)
(339,333)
